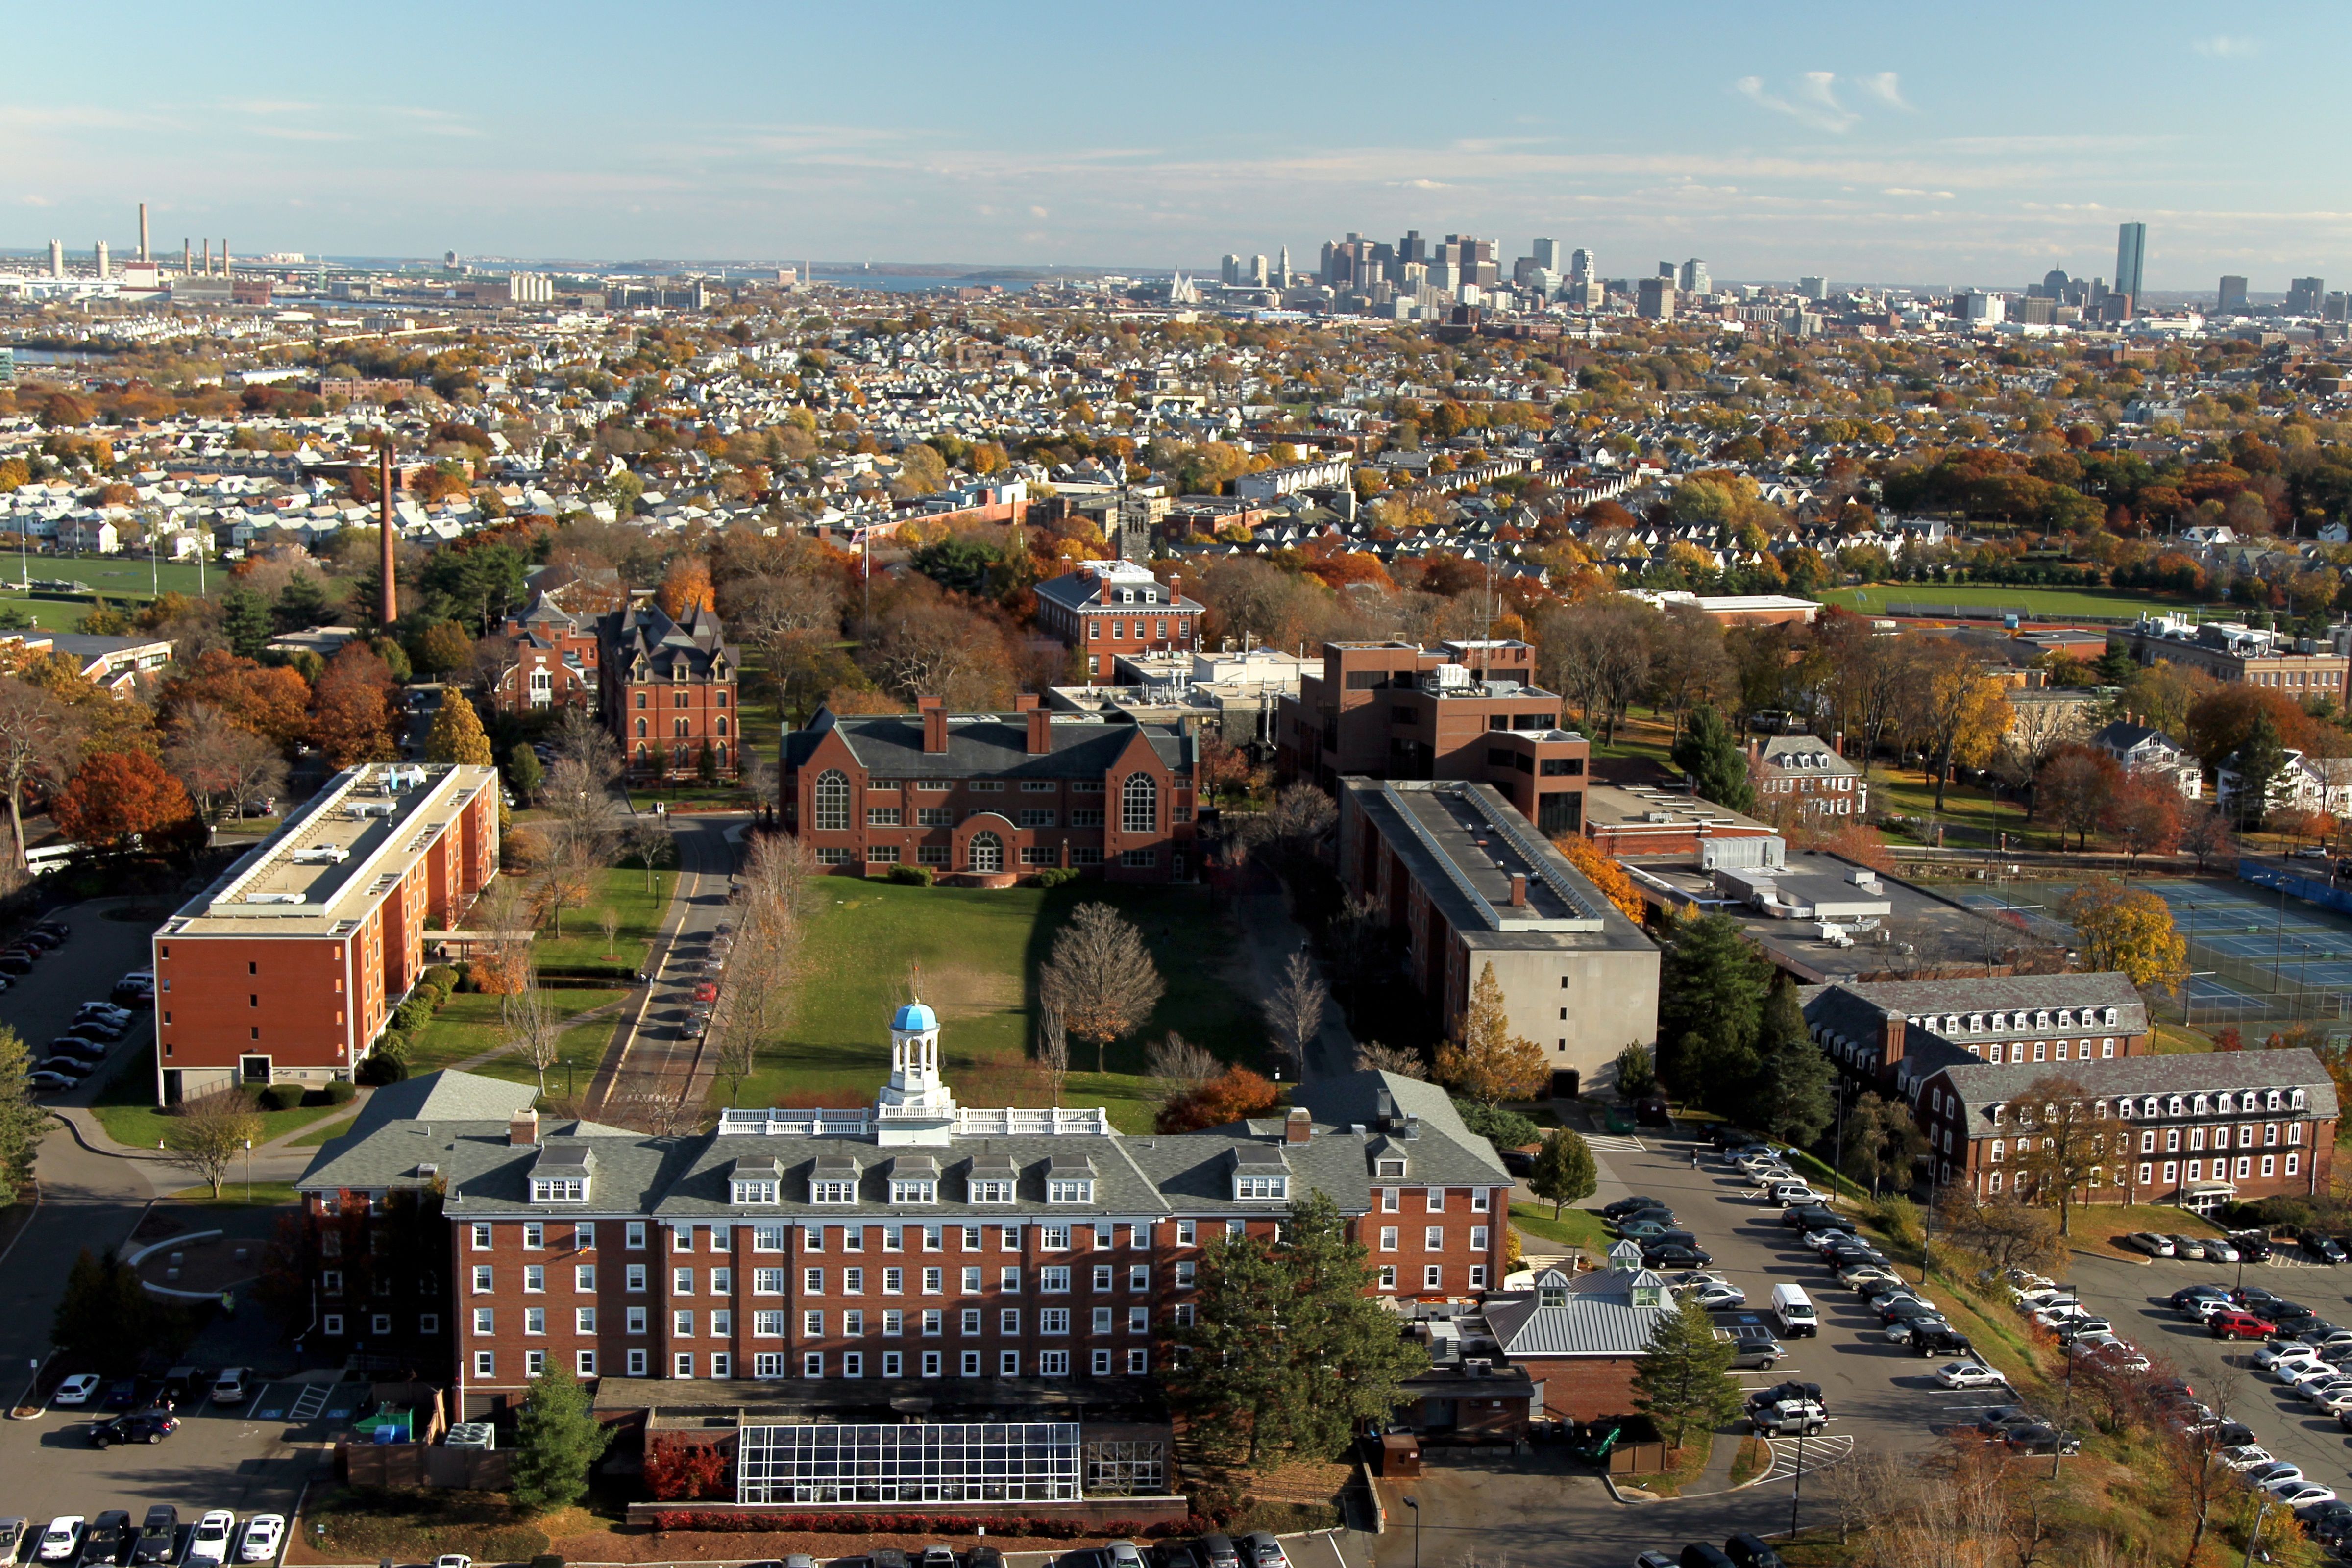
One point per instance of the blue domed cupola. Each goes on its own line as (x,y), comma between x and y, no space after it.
(915,1107)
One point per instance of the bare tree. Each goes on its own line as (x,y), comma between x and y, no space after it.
(652,1113)
(1373,1057)
(1100,978)
(648,842)
(1600,653)
(2060,1144)
(763,965)
(207,1135)
(608,921)
(582,741)
(1178,1063)
(1295,1011)
(532,1026)
(1054,1051)
(506,926)
(40,739)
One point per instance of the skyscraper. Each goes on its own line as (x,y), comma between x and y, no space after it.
(1813,288)
(57,258)
(2306,295)
(1580,265)
(2230,300)
(1547,254)
(1229,269)
(1655,297)
(1282,276)
(1694,280)
(1257,271)
(105,267)
(2131,253)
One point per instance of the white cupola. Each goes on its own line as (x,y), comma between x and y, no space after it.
(915,1107)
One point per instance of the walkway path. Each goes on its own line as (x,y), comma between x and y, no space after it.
(653,1055)
(1269,936)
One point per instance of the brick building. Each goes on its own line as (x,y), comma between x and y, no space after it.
(891,1251)
(1462,883)
(1466,711)
(668,692)
(557,662)
(2188,1129)
(1807,776)
(2299,667)
(287,968)
(1106,609)
(989,797)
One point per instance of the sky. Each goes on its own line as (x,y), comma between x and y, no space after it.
(1895,144)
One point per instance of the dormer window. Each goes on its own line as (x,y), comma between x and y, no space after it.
(2110,1018)
(2148,1106)
(558,1189)
(2271,1101)
(1951,1023)
(2197,1107)
(2041,1019)
(833,1180)
(1551,1291)
(2173,1107)
(1070,1190)
(1389,1167)
(1975,1023)
(1252,1188)
(990,1192)
(2066,1018)
(992,1180)
(2001,1020)
(560,1173)
(752,1191)
(914,1178)
(755,1181)
(2221,1102)
(2296,1099)
(914,1192)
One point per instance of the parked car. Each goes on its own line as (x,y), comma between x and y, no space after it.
(2302,1494)
(147,1426)
(2148,1241)
(12,1537)
(1969,1374)
(1756,1352)
(228,1388)
(122,1394)
(2253,1246)
(1806,1391)
(2277,1470)
(1711,1297)
(43,1081)
(107,1538)
(264,1535)
(159,1533)
(2239,1325)
(1934,1339)
(933,1557)
(1623,1208)
(60,1539)
(2245,1455)
(2181,1298)
(1787,1418)
(2320,1246)
(1644,1227)
(1674,1255)
(2043,1439)
(1747,1551)
(1220,1550)
(76,1389)
(209,1542)
(2221,1249)
(1260,1549)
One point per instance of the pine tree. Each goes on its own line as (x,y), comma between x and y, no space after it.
(1637,1071)
(1564,1171)
(560,1438)
(1709,752)
(1684,1380)
(1288,1349)
(2258,761)
(524,772)
(1710,1006)
(244,622)
(1484,1061)
(1792,1094)
(105,1316)
(456,735)
(22,1122)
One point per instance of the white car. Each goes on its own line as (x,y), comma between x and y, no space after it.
(1866,1278)
(2245,1457)
(2302,1494)
(1970,1375)
(210,1541)
(2295,1374)
(1126,1554)
(1714,1298)
(76,1389)
(2064,1312)
(453,1559)
(264,1534)
(2277,1351)
(2334,1397)
(57,1541)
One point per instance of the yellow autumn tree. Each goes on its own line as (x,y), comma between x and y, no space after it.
(2127,930)
(1484,1061)
(456,735)
(1601,872)
(686,588)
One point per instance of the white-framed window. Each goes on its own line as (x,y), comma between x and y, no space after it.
(486,1363)
(894,1323)
(534,1236)
(1184,1276)
(1388,1238)
(681,1323)
(893,1363)
(534,1279)
(768,1325)
(1138,1320)
(1388,1276)
(932,1362)
(1052,1363)
(767,1363)
(767,1282)
(1052,1320)
(812,1281)
(533,1363)
(934,1323)
(482,1231)
(583,1278)
(1099,1364)
(1070,1190)
(1477,1276)
(1138,804)
(812,1364)
(1008,1363)
(756,1190)
(681,1364)
(1432,1278)
(481,1279)
(583,1320)
(584,1362)
(853,1281)
(1433,1238)
(1102,1320)
(767,1238)
(637,1363)
(485,1320)
(971,1281)
(534,1320)
(934,1281)
(1054,1280)
(632,1235)
(639,1317)
(1247,1188)
(681,1281)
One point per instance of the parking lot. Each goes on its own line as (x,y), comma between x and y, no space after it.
(103,948)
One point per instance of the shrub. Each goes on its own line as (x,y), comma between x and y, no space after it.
(1055,875)
(914,876)
(341,1093)
(412,1015)
(1504,1129)
(394,1044)
(380,1069)
(282,1097)
(442,977)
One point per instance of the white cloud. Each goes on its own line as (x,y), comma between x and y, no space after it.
(1887,88)
(1816,103)
(2221,47)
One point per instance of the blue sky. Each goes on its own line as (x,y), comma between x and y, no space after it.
(1914,143)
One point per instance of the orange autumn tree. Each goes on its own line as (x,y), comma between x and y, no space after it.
(351,710)
(116,795)
(1232,1095)
(685,589)
(271,701)
(1601,872)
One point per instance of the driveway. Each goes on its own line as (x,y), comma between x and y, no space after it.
(216,1459)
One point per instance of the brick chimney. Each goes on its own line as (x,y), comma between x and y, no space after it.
(934,710)
(1519,890)
(1894,1027)
(1298,1126)
(1041,731)
(1025,701)
(524,1127)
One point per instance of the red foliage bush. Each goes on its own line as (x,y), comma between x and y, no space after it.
(679,1471)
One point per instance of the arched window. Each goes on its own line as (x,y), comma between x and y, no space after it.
(723,727)
(641,731)
(831,801)
(1140,805)
(682,757)
(641,751)
(679,727)
(719,755)
(986,852)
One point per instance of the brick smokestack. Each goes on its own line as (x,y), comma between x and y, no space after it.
(1041,731)
(1299,1127)
(524,1127)
(935,724)
(390,606)
(1519,890)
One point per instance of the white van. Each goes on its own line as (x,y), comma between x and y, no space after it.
(1793,1309)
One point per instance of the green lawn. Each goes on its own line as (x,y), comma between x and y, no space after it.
(978,953)
(1574,1228)
(622,890)
(469,1025)
(235,1194)
(126,1108)
(1874,597)
(1971,817)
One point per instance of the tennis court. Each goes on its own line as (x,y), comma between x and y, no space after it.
(2256,957)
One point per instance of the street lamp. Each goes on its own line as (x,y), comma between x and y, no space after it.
(1416,1530)
(248,1172)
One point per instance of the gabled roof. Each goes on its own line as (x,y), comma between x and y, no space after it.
(990,745)
(1598,1320)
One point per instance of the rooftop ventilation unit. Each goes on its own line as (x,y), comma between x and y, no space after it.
(321,855)
(275,898)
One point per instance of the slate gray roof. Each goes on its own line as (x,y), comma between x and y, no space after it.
(1600,1319)
(443,1097)
(643,630)
(989,745)
(1854,1008)
(1981,1086)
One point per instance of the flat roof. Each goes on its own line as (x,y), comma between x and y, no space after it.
(1656,806)
(322,873)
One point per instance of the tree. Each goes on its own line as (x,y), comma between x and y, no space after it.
(456,735)
(764,967)
(1604,873)
(1484,1061)
(2205,834)
(115,795)
(1709,755)
(1054,1051)
(1295,1011)
(207,1135)
(2059,1144)
(558,1437)
(685,588)
(1402,1060)
(2005,1231)
(1954,713)
(272,701)
(1684,1379)
(105,1317)
(2129,930)
(221,763)
(1231,1096)
(2076,789)
(1792,1100)
(444,647)
(39,741)
(526,776)
(2145,816)
(1637,1071)
(1882,1141)
(1710,1006)
(532,1028)
(1564,1171)
(22,1123)
(2257,763)
(351,709)
(244,622)
(1289,1349)
(1100,977)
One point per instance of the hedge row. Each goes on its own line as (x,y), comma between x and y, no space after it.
(916,1524)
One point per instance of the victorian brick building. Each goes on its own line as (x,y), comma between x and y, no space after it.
(989,797)
(895,1250)
(1106,609)
(557,656)
(668,692)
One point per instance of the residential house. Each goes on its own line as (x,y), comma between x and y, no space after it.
(2143,751)
(1803,770)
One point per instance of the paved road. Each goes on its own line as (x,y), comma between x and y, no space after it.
(654,1055)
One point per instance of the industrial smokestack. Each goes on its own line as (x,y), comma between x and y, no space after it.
(224,269)
(143,256)
(57,258)
(208,257)
(187,257)
(105,269)
(390,608)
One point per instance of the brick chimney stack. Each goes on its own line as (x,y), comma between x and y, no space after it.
(934,710)
(390,606)
(1519,890)
(1298,1126)
(1041,731)
(523,1128)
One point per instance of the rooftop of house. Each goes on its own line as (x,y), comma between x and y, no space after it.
(990,745)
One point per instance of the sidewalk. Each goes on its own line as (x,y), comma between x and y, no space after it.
(1269,936)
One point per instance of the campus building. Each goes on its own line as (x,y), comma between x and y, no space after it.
(1463,882)
(2299,667)
(1107,609)
(1807,776)
(556,664)
(288,967)
(986,798)
(2194,1129)
(668,692)
(914,1248)
(1467,710)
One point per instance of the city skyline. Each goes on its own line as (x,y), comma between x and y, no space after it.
(1874,153)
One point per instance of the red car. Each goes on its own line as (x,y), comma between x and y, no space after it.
(2234,1325)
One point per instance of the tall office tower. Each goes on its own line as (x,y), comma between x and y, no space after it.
(1813,288)
(2131,254)
(105,267)
(1656,298)
(1547,254)
(1257,271)
(2304,295)
(57,258)
(1695,278)
(2231,300)
(1229,269)
(1282,275)
(1474,259)
(1412,247)
(1580,265)
(2054,285)
(1668,270)
(144,255)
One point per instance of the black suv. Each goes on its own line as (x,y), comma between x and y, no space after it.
(147,1426)
(2320,1246)
(1748,1551)
(157,1533)
(1935,1339)
(108,1539)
